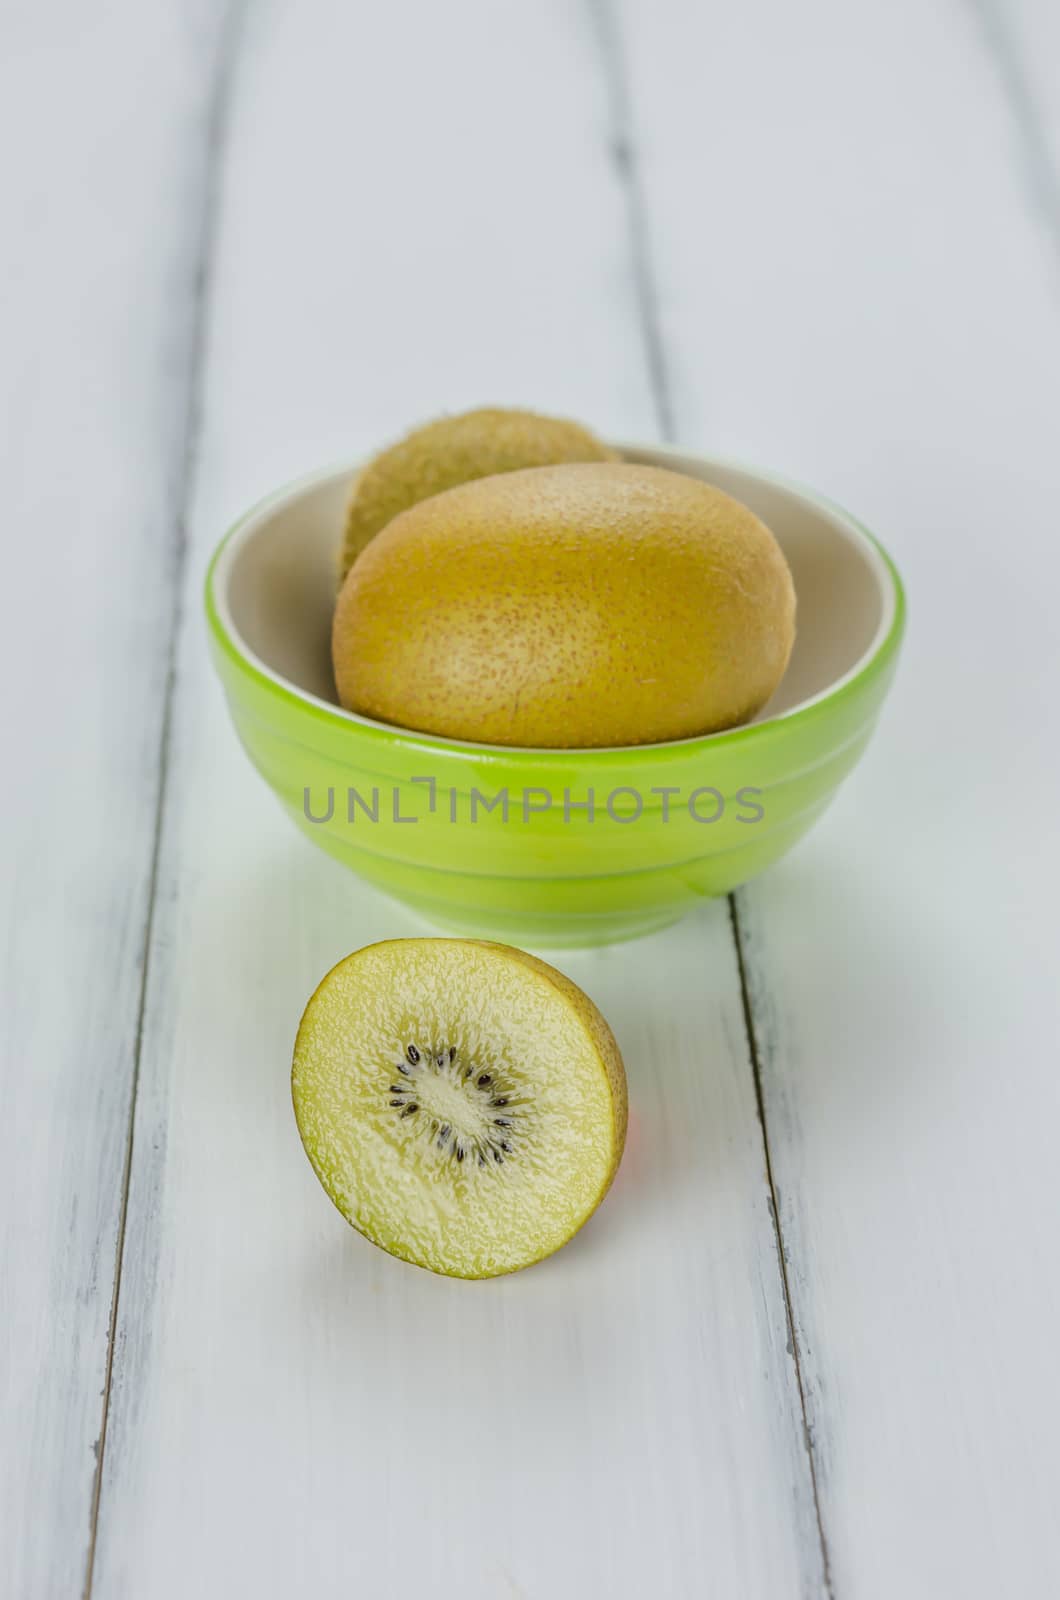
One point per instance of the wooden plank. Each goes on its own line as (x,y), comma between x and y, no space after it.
(420,212)
(101,172)
(858,287)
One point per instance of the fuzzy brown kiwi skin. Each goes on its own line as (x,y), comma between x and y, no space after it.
(586,605)
(342,559)
(453,450)
(609,1052)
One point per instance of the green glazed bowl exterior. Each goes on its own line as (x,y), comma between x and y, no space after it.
(551,847)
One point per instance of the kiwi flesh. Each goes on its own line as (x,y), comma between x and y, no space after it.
(462,1103)
(454,450)
(571,606)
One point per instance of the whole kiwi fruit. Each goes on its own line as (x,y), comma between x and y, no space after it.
(456,450)
(567,607)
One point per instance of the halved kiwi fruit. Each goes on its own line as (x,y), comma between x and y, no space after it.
(462,1103)
(454,450)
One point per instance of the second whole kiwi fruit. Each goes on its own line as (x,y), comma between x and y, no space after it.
(455,450)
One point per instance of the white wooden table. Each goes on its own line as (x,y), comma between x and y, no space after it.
(809,1346)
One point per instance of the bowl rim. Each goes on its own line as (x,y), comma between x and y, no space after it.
(873,661)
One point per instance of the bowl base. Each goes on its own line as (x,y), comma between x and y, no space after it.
(545,932)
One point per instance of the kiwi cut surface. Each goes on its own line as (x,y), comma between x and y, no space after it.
(454,450)
(462,1103)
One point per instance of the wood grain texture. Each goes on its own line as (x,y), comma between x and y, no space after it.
(864,294)
(1022,40)
(100,167)
(291,1411)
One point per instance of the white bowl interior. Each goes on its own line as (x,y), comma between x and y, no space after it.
(275,583)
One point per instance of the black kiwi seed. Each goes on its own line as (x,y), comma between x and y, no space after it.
(502,1122)
(506,1147)
(499,1100)
(460,1152)
(497,1155)
(410,1110)
(399,1088)
(403,1069)
(484,1079)
(443,1133)
(412,1053)
(397,1102)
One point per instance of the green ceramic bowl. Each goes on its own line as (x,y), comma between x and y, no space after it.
(551,847)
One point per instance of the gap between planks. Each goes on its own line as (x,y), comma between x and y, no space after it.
(222,72)
(1040,175)
(623,149)
(774,1211)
